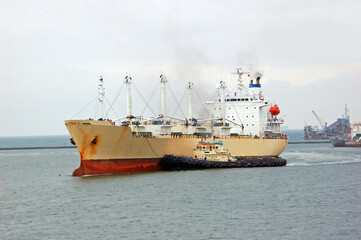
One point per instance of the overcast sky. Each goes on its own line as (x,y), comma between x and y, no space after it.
(53,52)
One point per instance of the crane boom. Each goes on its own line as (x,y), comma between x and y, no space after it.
(321,122)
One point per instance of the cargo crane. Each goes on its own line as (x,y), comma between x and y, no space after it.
(322,123)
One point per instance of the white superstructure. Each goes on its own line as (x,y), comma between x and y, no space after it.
(243,108)
(234,112)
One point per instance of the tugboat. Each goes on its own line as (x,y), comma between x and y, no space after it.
(213,155)
(215,152)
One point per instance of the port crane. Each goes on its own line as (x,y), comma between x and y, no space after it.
(322,123)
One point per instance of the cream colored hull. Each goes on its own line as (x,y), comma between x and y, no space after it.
(103,141)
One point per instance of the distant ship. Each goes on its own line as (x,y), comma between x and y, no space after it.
(353,141)
(341,128)
(247,125)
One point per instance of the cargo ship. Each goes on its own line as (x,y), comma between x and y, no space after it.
(247,125)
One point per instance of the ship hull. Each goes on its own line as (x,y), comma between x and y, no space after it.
(344,143)
(117,166)
(108,149)
(353,145)
(336,142)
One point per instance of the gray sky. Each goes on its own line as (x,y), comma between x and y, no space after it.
(52,53)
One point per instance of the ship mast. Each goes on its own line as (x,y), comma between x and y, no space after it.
(190,100)
(163,81)
(240,82)
(101,97)
(222,86)
(347,115)
(242,88)
(128,81)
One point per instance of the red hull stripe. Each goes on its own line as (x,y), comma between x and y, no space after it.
(114,166)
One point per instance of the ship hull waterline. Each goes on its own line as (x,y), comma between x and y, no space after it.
(117,166)
(108,149)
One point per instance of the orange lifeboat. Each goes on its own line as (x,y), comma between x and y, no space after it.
(274,110)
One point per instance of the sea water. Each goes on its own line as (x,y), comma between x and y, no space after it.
(316,196)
